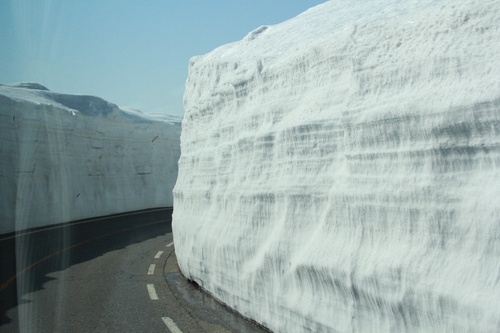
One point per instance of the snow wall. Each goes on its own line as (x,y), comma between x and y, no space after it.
(70,157)
(339,172)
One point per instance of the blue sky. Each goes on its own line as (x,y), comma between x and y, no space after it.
(132,53)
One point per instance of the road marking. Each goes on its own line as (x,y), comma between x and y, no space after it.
(151,269)
(171,325)
(158,255)
(152,292)
(170,244)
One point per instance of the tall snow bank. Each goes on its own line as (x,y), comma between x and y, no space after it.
(340,171)
(69,157)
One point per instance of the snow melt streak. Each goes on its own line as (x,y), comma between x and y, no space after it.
(350,181)
(69,157)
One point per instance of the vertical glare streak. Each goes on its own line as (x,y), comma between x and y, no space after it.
(38,27)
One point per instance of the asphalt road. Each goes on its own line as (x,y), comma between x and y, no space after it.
(112,274)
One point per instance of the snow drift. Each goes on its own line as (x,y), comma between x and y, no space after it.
(339,172)
(69,157)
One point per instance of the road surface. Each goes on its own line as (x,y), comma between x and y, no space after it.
(112,274)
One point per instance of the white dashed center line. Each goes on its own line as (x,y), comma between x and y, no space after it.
(171,325)
(154,296)
(152,292)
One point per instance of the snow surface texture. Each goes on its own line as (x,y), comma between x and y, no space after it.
(69,157)
(339,172)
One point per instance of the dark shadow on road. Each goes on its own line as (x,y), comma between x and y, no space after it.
(33,256)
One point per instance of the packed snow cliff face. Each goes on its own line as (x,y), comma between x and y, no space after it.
(340,171)
(69,157)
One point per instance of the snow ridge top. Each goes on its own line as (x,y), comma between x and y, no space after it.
(26,85)
(39,95)
(334,22)
(73,104)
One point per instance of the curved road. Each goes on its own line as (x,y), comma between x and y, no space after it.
(111,274)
